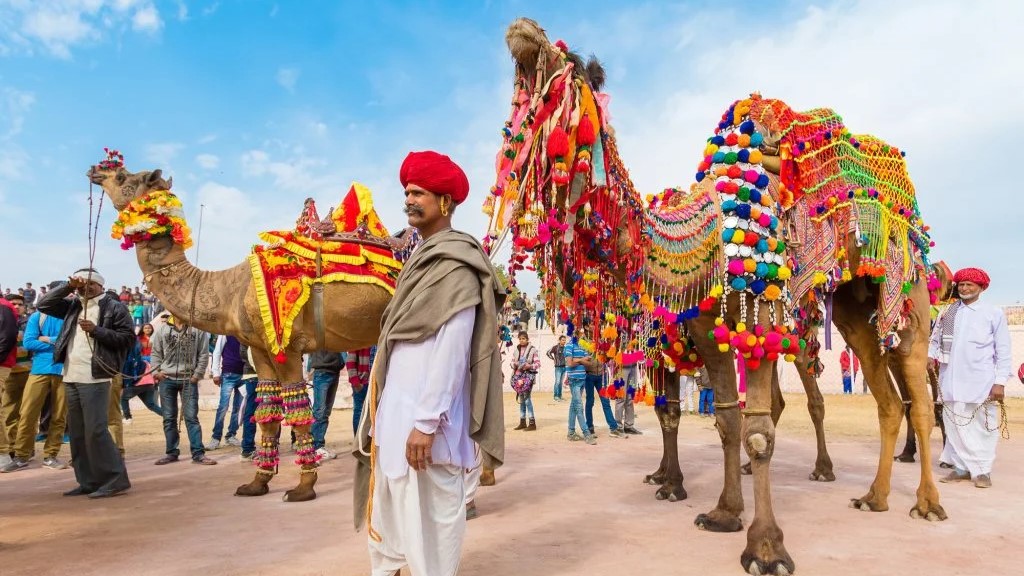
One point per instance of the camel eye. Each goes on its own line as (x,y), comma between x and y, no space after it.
(121,177)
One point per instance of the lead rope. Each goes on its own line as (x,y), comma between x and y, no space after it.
(372,415)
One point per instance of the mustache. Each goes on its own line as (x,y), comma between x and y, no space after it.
(411,210)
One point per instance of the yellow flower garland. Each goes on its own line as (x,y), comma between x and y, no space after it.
(158,213)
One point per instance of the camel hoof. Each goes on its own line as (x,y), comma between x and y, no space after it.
(822,476)
(904,458)
(655,479)
(659,495)
(937,514)
(745,469)
(866,506)
(299,495)
(774,568)
(717,521)
(258,487)
(671,492)
(487,477)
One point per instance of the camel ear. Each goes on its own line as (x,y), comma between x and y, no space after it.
(170,182)
(155,180)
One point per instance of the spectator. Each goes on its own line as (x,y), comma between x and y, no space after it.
(15,365)
(539,311)
(249,381)
(226,368)
(524,375)
(30,297)
(687,389)
(557,353)
(180,356)
(138,383)
(624,412)
(125,296)
(92,346)
(576,375)
(848,360)
(595,373)
(326,367)
(706,404)
(137,311)
(145,342)
(358,364)
(44,383)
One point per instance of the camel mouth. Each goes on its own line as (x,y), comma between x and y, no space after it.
(525,39)
(95,176)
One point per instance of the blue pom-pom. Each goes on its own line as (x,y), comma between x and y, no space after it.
(656,325)
(728,205)
(742,210)
(700,176)
(762,245)
(652,342)
(762,270)
(773,224)
(718,140)
(903,153)
(727,234)
(747,127)
(681,317)
(664,339)
(743,155)
(763,181)
(718,157)
(756,139)
(739,283)
(828,135)
(755,196)
(758,286)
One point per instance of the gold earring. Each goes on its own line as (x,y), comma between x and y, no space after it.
(444,207)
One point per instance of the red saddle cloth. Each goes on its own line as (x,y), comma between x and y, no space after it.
(285,269)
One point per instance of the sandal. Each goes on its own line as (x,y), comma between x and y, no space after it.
(166,460)
(204,461)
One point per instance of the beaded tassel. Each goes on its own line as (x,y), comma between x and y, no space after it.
(267,457)
(304,450)
(297,409)
(268,400)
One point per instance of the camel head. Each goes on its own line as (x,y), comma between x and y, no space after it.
(123,186)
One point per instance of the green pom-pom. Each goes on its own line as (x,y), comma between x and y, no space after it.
(803,344)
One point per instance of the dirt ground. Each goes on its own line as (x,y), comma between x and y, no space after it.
(559,508)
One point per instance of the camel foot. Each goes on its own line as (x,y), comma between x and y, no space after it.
(719,520)
(656,479)
(487,476)
(822,476)
(765,553)
(745,469)
(671,490)
(304,491)
(259,486)
(868,504)
(931,513)
(905,457)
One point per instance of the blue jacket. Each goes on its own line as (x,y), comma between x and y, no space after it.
(42,352)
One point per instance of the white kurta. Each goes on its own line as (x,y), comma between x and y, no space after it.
(421,516)
(78,360)
(978,359)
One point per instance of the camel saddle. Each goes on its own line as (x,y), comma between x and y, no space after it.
(349,245)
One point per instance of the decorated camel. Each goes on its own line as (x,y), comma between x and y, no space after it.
(322,286)
(779,215)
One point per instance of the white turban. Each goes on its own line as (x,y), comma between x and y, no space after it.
(89,276)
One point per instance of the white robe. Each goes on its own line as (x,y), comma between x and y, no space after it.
(978,359)
(421,516)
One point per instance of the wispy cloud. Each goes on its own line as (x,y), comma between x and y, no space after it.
(287,78)
(182,11)
(211,8)
(208,161)
(14,104)
(59,26)
(163,154)
(147,19)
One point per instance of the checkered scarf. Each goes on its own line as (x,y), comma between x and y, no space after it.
(946,325)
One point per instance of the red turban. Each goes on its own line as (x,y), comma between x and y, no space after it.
(976,275)
(435,173)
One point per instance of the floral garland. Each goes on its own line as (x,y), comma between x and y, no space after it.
(152,215)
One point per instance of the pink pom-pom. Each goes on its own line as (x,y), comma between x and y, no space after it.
(736,267)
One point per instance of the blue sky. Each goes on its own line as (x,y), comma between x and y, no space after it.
(253,106)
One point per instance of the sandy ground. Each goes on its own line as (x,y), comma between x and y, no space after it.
(559,508)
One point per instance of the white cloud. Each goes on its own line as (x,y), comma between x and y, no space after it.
(208,161)
(147,19)
(182,11)
(206,139)
(14,105)
(58,26)
(163,154)
(287,78)
(210,9)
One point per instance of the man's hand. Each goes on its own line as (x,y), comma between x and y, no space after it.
(76,283)
(194,380)
(216,380)
(87,325)
(996,393)
(45,339)
(158,376)
(417,450)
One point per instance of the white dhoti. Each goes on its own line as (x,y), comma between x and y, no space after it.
(421,519)
(473,475)
(971,445)
(687,388)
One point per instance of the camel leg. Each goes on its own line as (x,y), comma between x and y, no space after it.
(721,367)
(910,447)
(816,408)
(268,416)
(299,415)
(778,407)
(765,552)
(668,417)
(851,318)
(913,357)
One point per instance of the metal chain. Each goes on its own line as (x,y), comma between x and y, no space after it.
(962,420)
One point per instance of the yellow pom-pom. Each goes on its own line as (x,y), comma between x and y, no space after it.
(741,327)
(710,149)
(790,358)
(719,321)
(738,236)
(716,291)
(723,347)
(785,273)
(846,275)
(609,317)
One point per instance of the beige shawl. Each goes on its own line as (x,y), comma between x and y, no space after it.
(448,273)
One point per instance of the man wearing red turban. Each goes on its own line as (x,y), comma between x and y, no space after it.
(435,390)
(971,345)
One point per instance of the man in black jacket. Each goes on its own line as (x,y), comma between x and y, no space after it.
(92,345)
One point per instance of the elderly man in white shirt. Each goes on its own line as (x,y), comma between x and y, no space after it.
(971,345)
